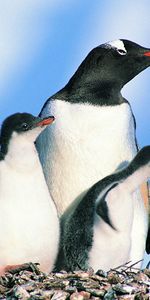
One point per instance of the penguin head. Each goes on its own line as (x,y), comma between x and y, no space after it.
(22,126)
(124,60)
(105,70)
(117,61)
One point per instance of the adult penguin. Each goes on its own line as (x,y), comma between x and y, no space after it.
(94,134)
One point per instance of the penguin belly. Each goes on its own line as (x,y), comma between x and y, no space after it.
(29,227)
(85,144)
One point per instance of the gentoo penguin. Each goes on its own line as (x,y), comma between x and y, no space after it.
(98,232)
(94,134)
(29,226)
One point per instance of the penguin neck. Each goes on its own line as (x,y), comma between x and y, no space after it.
(21,154)
(97,92)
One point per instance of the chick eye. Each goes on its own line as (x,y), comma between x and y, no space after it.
(121,51)
(24,126)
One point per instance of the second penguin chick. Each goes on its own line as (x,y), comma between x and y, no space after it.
(97,231)
(29,226)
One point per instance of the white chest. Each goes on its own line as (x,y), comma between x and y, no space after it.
(85,144)
(29,227)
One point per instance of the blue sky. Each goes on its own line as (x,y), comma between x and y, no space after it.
(43,42)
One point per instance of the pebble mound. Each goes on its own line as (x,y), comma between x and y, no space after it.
(121,283)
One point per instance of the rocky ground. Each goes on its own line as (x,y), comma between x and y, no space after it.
(121,283)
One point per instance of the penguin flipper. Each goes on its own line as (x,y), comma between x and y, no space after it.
(103,211)
(102,207)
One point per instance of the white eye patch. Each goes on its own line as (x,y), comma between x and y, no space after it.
(118,45)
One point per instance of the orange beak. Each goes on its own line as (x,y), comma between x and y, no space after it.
(147,53)
(46,121)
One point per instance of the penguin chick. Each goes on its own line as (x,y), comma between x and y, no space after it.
(97,233)
(29,226)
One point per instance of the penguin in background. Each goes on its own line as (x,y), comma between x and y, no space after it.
(97,233)
(29,225)
(94,134)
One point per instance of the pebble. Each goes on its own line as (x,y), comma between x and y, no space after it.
(20,293)
(110,295)
(124,289)
(96,292)
(113,278)
(34,285)
(60,295)
(80,296)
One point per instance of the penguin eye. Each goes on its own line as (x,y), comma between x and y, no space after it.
(121,51)
(24,126)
